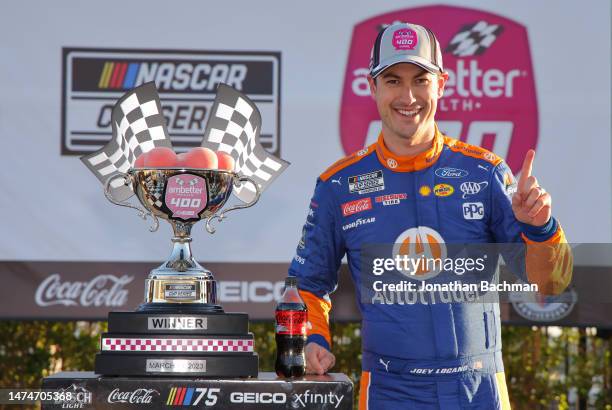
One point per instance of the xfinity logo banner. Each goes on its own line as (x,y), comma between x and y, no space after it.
(490,98)
(93,80)
(308,398)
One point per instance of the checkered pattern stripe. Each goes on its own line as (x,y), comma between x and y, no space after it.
(138,126)
(234,128)
(120,344)
(474,39)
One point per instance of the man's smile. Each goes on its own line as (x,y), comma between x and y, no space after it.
(411,113)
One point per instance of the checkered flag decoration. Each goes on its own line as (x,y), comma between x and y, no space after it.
(138,127)
(474,39)
(233,127)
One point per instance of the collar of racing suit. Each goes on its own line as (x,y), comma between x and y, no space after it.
(413,163)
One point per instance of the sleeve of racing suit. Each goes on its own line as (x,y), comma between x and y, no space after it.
(317,260)
(545,256)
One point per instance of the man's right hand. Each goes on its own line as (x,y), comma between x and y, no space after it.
(318,359)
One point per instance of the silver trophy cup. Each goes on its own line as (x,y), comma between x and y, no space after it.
(182,197)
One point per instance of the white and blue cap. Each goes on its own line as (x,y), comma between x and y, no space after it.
(406,43)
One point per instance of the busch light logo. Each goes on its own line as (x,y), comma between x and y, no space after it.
(489,99)
(73,397)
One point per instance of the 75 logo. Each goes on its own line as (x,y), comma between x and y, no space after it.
(193,396)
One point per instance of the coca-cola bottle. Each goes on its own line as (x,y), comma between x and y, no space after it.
(291,319)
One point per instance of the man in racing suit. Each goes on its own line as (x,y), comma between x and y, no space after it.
(415,185)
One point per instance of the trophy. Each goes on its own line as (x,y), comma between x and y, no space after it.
(180,329)
(182,197)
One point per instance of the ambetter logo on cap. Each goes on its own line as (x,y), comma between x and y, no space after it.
(489,99)
(405,39)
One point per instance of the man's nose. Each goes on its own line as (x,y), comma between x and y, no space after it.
(407,95)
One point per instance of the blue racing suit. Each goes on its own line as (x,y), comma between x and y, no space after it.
(444,355)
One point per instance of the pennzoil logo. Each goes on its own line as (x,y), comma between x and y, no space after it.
(94,79)
(443,190)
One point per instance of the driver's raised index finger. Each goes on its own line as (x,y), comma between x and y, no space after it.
(526,169)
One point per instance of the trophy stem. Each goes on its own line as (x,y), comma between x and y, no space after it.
(181,281)
(181,259)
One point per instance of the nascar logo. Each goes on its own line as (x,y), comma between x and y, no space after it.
(94,79)
(172,76)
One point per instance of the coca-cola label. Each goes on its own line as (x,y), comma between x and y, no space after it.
(102,290)
(490,96)
(359,205)
(186,195)
(138,396)
(291,322)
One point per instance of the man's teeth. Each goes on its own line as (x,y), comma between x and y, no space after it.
(409,113)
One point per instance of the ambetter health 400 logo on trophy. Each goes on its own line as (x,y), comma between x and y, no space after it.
(180,329)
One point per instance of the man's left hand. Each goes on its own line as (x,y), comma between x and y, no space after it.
(531,203)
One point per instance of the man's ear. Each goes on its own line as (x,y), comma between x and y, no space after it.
(442,79)
(372,83)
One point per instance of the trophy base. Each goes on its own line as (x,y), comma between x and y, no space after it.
(177,339)
(179,308)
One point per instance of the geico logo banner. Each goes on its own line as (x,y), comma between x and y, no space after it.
(255,292)
(254,397)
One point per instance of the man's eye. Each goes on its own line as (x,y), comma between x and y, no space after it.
(422,80)
(392,82)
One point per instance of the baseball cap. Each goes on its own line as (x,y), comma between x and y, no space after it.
(406,43)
